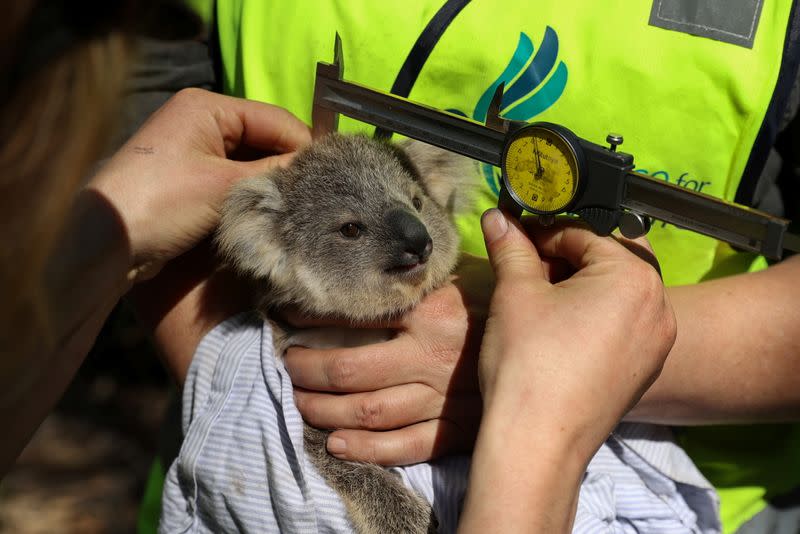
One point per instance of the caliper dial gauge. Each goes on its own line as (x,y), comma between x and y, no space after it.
(543,168)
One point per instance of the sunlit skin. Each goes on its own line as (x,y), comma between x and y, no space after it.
(541,170)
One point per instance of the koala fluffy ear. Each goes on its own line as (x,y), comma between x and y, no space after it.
(450,178)
(248,236)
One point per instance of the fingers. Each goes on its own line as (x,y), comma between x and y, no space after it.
(409,445)
(578,245)
(641,247)
(269,163)
(235,124)
(346,370)
(558,267)
(511,252)
(271,127)
(389,408)
(386,409)
(255,124)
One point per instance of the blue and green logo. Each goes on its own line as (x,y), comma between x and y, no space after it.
(533,82)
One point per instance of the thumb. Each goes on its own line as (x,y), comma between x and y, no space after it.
(268,163)
(511,253)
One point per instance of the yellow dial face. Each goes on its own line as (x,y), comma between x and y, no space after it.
(541,170)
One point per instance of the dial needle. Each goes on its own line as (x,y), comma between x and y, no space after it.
(539,168)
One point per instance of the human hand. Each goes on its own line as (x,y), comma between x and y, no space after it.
(168,181)
(409,399)
(166,185)
(577,353)
(560,363)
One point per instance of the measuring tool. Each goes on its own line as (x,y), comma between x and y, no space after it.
(547,170)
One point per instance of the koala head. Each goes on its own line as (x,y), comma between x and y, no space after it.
(351,229)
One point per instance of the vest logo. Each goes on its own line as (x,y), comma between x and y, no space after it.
(533,83)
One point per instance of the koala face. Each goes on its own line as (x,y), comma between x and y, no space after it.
(350,228)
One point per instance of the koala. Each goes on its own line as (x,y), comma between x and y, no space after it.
(357,229)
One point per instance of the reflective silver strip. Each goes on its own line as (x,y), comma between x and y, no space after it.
(729,21)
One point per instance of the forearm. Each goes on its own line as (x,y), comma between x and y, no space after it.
(175,331)
(184,302)
(737,354)
(526,468)
(85,276)
(528,490)
(156,198)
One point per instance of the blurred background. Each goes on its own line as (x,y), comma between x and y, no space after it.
(86,467)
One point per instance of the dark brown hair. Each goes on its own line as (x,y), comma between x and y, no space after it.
(62,68)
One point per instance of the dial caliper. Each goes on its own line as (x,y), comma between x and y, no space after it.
(547,170)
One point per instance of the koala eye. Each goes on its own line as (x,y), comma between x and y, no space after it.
(417,202)
(350,230)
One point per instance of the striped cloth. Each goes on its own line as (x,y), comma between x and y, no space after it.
(241,467)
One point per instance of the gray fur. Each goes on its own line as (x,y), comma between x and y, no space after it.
(284,230)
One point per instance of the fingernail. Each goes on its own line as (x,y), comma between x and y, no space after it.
(337,446)
(494,225)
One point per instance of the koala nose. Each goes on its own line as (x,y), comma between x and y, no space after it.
(414,244)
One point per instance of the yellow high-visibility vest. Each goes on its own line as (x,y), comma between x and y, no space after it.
(694,91)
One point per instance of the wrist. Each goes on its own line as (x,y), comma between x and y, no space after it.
(130,219)
(521,401)
(529,468)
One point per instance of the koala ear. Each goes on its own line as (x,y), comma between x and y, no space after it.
(248,236)
(450,178)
